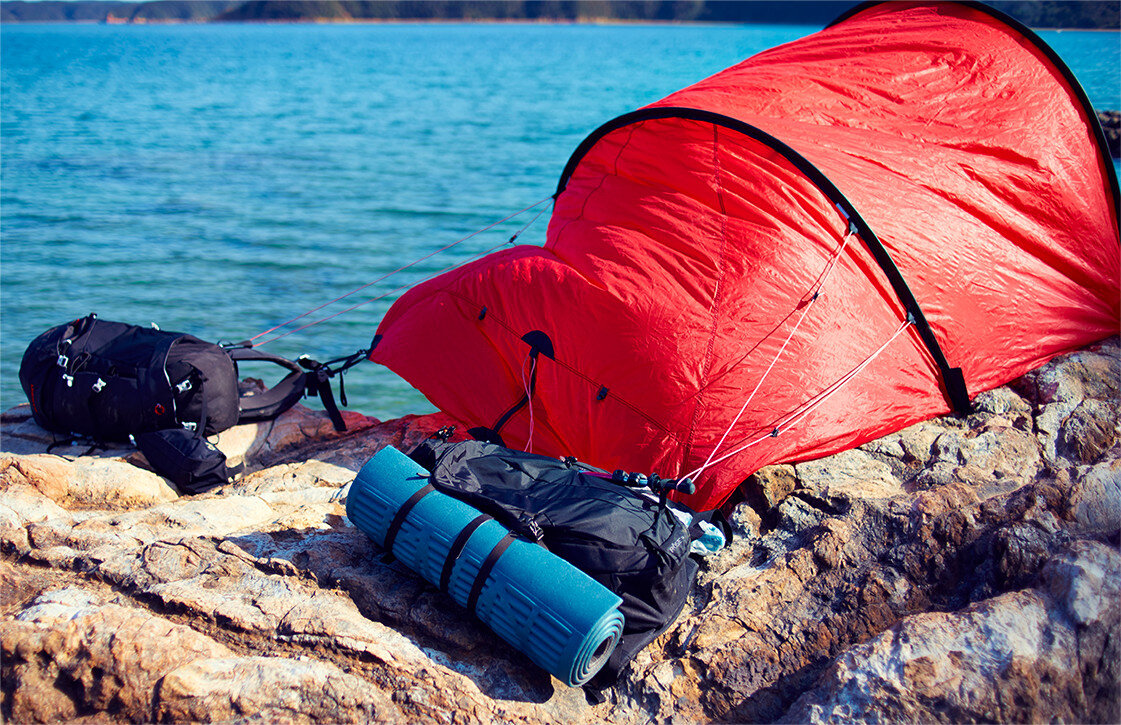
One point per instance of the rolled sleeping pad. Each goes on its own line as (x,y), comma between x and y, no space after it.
(560,617)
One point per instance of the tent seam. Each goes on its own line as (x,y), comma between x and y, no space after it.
(706,366)
(615,171)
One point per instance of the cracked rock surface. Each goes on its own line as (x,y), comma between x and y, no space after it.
(963,569)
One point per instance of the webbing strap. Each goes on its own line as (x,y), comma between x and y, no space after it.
(402,514)
(322,383)
(539,344)
(484,570)
(456,549)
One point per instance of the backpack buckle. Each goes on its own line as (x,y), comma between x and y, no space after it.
(191,426)
(63,361)
(69,380)
(183,386)
(99,385)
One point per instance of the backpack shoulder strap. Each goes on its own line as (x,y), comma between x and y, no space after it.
(269,404)
(305,377)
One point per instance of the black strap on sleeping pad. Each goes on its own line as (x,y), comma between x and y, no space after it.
(484,570)
(402,514)
(456,549)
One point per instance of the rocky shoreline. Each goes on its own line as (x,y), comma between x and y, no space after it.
(963,569)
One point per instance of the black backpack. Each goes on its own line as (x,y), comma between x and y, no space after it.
(627,538)
(111,381)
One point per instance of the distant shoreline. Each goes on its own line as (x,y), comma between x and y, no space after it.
(1043,15)
(462,21)
(426,21)
(454,21)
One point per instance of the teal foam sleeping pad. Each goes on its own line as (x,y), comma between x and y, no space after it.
(560,617)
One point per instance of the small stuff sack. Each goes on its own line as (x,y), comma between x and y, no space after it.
(109,380)
(187,459)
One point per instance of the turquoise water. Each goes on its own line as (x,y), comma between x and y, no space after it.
(221,179)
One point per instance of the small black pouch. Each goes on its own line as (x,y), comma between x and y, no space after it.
(186,459)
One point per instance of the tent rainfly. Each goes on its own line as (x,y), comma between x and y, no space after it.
(832,240)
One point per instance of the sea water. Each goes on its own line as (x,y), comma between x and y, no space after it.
(222,179)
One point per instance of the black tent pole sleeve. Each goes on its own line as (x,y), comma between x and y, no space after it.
(953,379)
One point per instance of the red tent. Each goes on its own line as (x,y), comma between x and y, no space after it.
(832,240)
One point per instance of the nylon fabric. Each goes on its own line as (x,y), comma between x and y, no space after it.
(679,255)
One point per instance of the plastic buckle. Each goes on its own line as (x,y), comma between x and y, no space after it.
(191,426)
(69,380)
(183,386)
(99,385)
(63,361)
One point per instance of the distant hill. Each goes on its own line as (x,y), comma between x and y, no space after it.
(101,11)
(1034,13)
(748,11)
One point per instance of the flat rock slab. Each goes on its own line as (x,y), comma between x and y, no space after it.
(962,569)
